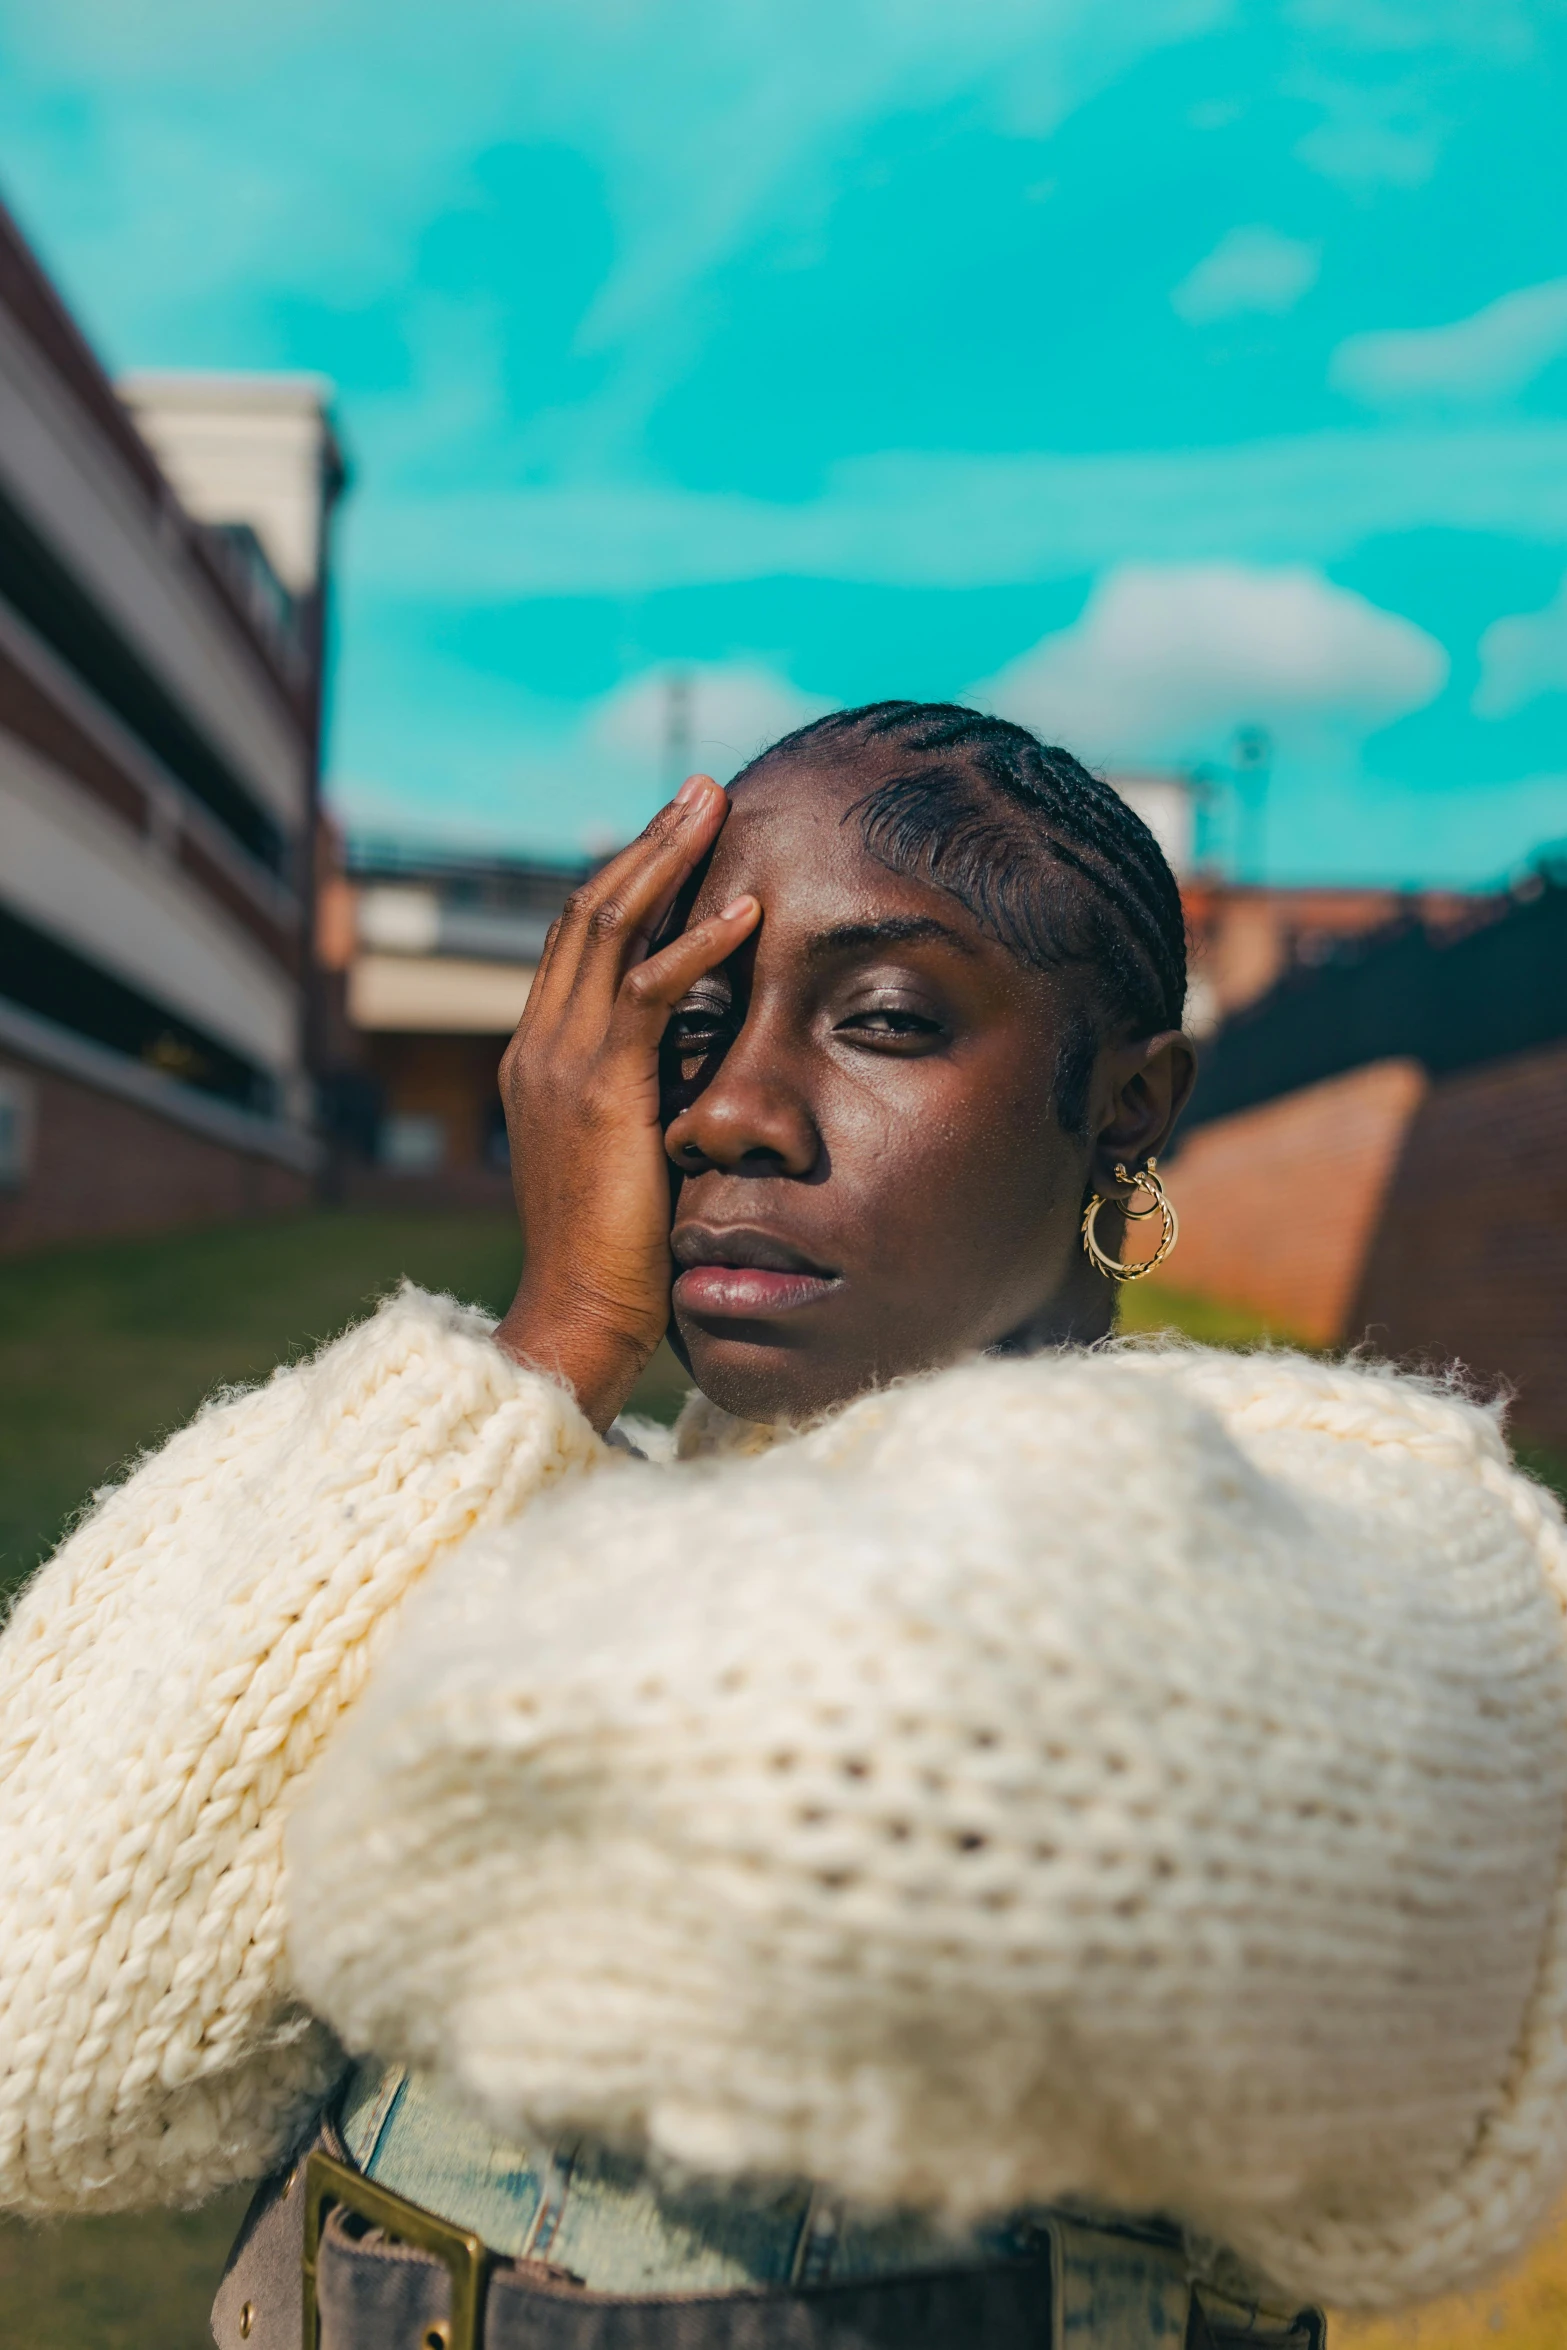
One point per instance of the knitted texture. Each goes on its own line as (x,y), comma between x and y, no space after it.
(1132,1776)
(164,1682)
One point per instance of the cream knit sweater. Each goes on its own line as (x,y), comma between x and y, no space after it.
(1138,1776)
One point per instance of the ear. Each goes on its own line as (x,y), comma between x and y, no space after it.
(1140,1090)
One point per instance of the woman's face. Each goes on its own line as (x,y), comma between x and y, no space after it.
(871,1178)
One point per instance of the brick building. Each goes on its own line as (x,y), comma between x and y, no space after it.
(426,961)
(1378,1149)
(161,661)
(1246,937)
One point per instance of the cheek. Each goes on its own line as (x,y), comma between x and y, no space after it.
(976,1167)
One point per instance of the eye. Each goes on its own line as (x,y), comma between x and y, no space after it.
(695,1028)
(695,1032)
(890,1025)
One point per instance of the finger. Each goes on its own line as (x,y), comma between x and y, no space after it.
(556,992)
(539,983)
(666,847)
(651,990)
(608,922)
(623,925)
(704,806)
(551,936)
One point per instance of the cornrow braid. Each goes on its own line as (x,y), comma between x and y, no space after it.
(1044,855)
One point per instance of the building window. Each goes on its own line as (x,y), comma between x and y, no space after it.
(46,977)
(50,601)
(18,1125)
(413,1144)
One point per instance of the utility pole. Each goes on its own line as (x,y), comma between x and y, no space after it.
(1252,761)
(678,698)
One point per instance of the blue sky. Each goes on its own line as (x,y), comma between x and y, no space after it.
(1144,368)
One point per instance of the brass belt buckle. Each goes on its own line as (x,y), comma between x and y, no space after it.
(466,2255)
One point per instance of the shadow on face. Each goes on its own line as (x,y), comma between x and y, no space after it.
(871,1177)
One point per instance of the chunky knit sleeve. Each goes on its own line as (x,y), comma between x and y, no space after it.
(164,1683)
(1132,1778)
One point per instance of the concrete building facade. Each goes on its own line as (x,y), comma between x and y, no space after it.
(161,663)
(426,961)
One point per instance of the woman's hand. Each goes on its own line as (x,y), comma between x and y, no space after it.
(580,1084)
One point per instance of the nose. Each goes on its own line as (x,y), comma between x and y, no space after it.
(753,1115)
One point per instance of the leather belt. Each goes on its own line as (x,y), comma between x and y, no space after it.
(330,2260)
(373,2292)
(326,2247)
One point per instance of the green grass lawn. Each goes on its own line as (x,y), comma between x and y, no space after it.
(104,1350)
(1146,1310)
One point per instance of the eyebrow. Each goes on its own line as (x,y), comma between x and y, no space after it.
(893,930)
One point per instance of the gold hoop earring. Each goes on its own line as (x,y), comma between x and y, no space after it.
(1158,1205)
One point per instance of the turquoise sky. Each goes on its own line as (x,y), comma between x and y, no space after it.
(1144,368)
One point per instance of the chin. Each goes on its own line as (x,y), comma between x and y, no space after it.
(757,1372)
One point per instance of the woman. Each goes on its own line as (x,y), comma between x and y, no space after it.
(1002,1837)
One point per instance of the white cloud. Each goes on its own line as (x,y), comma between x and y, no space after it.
(1499,29)
(1248,269)
(1371,135)
(1476,361)
(1523,656)
(286,143)
(1166,661)
(947,519)
(711,717)
(488,763)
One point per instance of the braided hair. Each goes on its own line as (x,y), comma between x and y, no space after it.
(1044,855)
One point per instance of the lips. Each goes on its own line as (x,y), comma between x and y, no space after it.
(739,1272)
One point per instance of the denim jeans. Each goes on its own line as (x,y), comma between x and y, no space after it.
(620,2228)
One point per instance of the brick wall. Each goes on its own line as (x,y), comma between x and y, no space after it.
(1470,1256)
(1278,1204)
(1429,1220)
(102,1166)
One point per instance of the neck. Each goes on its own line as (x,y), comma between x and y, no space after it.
(1081,1312)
